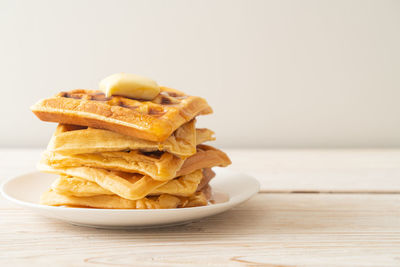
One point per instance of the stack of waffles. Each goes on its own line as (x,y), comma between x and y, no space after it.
(121,153)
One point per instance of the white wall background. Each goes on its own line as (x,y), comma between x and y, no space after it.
(278,73)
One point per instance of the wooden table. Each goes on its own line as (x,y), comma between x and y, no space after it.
(316,208)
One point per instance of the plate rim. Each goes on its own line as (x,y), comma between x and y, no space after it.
(230,202)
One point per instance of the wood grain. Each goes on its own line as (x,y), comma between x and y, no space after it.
(336,170)
(268,230)
(272,229)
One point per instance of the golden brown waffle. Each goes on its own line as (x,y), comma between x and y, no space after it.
(52,198)
(87,186)
(72,139)
(161,166)
(91,182)
(206,157)
(208,174)
(78,187)
(152,120)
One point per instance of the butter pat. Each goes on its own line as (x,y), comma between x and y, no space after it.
(129,85)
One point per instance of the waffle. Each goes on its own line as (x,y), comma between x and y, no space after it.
(153,120)
(160,167)
(92,182)
(122,153)
(206,157)
(208,174)
(72,139)
(78,187)
(165,201)
(87,186)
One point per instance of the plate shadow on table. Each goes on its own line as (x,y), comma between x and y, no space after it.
(243,218)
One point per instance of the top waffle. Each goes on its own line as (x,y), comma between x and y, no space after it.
(153,120)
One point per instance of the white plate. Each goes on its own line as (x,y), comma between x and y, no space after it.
(26,189)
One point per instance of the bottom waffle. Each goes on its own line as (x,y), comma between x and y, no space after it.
(85,181)
(163,201)
(183,186)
